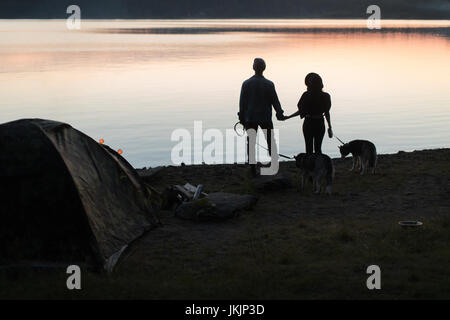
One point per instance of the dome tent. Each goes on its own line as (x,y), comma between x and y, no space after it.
(65,197)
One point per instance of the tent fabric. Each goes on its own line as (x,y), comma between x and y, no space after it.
(65,196)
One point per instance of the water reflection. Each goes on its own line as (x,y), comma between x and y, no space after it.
(134,89)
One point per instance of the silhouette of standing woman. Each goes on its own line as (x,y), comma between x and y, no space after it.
(313,105)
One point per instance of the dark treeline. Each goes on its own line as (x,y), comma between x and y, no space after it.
(142,9)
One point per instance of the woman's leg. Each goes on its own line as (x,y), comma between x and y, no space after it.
(319,132)
(308,134)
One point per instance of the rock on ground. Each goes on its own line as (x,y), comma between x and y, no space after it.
(216,206)
(272,183)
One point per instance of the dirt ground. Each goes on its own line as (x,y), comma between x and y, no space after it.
(408,186)
(292,245)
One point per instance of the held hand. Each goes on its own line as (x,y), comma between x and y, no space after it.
(295,114)
(330,133)
(241,119)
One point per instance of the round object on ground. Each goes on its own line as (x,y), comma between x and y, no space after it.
(410,223)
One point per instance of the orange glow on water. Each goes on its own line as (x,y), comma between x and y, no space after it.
(136,88)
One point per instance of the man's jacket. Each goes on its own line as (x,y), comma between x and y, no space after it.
(258,96)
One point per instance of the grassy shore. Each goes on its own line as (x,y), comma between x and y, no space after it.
(291,245)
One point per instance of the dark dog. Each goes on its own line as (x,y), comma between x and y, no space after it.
(319,167)
(364,154)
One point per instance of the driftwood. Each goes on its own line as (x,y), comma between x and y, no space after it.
(201,209)
(228,204)
(216,206)
(206,207)
(271,183)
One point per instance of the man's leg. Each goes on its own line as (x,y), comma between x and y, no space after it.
(270,137)
(251,129)
(273,150)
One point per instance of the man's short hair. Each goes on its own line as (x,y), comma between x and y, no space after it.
(259,65)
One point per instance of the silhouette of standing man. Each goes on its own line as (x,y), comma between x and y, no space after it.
(258,96)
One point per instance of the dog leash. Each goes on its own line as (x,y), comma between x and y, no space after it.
(339,139)
(235,129)
(242,134)
(281,155)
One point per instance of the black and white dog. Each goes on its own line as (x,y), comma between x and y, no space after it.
(317,166)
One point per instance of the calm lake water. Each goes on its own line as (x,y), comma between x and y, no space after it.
(132,83)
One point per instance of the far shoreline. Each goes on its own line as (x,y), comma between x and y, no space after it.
(240,164)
